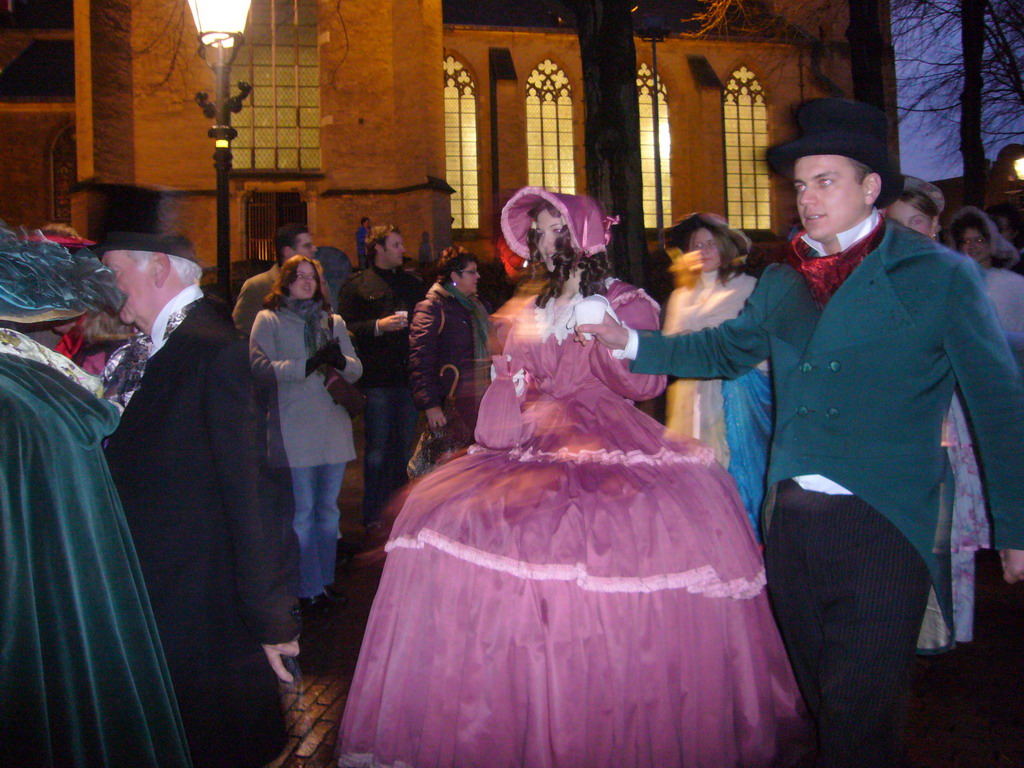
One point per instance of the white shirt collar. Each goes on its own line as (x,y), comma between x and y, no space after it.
(183,299)
(850,236)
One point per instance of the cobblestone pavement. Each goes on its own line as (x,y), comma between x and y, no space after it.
(966,707)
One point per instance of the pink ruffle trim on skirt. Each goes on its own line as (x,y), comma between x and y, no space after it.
(703,581)
(664,457)
(367,760)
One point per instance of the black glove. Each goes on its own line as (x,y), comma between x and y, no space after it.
(329,354)
(334,357)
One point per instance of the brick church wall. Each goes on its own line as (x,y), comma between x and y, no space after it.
(27,133)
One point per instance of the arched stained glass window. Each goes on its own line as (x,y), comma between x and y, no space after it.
(549,142)
(460,144)
(645,89)
(279,125)
(747,181)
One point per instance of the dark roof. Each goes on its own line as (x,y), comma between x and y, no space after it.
(500,13)
(42,14)
(45,71)
(673,14)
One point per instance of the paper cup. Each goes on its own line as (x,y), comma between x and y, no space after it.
(591,310)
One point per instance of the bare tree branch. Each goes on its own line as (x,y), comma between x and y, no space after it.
(932,62)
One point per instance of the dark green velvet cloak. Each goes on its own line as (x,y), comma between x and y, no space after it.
(83,680)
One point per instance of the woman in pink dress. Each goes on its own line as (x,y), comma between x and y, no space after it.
(578,590)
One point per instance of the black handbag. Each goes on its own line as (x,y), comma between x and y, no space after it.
(344,393)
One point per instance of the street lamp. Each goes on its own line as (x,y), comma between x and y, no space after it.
(220,24)
(653,31)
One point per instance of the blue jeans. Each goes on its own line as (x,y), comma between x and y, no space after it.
(316,524)
(390,428)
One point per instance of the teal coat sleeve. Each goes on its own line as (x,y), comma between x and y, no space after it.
(732,348)
(993,392)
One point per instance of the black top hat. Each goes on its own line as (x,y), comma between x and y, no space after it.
(848,128)
(173,245)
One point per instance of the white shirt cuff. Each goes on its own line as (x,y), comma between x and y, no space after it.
(821,484)
(631,348)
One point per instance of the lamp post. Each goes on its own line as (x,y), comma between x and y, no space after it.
(220,24)
(653,31)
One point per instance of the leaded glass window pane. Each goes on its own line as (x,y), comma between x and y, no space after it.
(460,143)
(745,122)
(646,92)
(281,59)
(549,134)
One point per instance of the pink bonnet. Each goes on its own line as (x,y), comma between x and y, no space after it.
(589,228)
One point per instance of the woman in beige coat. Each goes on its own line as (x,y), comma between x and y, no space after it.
(732,417)
(299,340)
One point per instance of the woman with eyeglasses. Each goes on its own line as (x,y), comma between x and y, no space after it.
(295,342)
(974,234)
(450,330)
(733,417)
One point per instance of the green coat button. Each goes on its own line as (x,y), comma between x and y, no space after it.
(834,365)
(806,367)
(802,410)
(832,413)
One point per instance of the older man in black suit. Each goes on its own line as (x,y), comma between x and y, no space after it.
(186,464)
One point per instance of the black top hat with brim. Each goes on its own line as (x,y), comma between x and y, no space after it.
(173,245)
(843,127)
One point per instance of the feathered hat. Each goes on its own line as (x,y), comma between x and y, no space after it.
(41,281)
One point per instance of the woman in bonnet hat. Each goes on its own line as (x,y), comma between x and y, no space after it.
(733,416)
(578,589)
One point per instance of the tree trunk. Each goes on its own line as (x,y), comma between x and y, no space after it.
(612,126)
(972,36)
(868,51)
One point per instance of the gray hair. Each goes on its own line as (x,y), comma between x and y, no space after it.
(188,271)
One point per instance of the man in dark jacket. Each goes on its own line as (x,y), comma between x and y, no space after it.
(375,304)
(186,465)
(290,240)
(451,327)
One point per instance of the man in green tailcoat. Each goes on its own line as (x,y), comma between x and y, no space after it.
(868,327)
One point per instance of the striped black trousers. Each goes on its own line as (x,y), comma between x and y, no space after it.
(849,593)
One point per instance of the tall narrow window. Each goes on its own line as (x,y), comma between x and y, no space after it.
(279,126)
(549,129)
(64,173)
(460,143)
(646,90)
(747,187)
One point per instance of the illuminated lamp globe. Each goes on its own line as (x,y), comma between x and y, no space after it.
(220,22)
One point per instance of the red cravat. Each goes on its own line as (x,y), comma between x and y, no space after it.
(824,274)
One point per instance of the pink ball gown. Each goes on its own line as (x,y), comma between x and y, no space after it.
(588,596)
